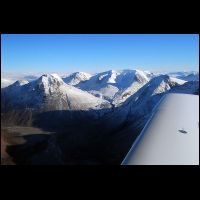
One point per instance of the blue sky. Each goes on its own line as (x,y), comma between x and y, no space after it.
(99,52)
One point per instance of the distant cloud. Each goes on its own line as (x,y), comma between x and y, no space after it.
(5,82)
(8,78)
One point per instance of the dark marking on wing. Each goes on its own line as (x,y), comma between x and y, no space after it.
(182,131)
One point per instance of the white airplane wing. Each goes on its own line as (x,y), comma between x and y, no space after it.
(171,136)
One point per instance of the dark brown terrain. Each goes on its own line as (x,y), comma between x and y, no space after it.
(14,137)
(56,138)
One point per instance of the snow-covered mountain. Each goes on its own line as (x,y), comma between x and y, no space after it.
(20,83)
(141,103)
(49,92)
(190,87)
(115,86)
(145,99)
(83,91)
(77,77)
(190,77)
(187,76)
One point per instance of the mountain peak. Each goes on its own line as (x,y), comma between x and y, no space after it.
(20,83)
(49,82)
(50,79)
(107,76)
(76,77)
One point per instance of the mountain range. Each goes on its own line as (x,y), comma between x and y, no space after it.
(100,114)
